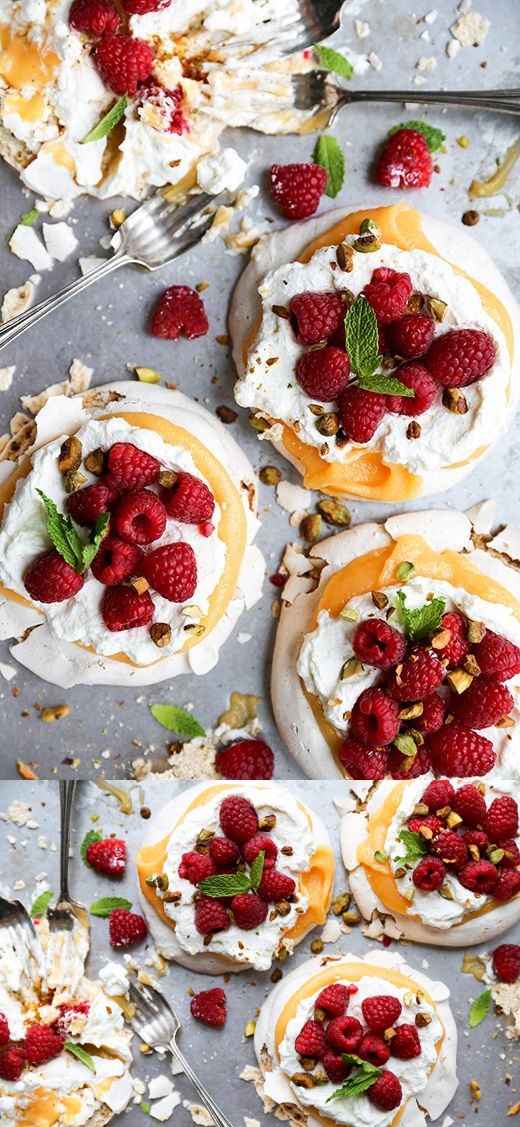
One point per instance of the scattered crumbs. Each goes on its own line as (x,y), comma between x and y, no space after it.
(291,497)
(159,1087)
(243,638)
(251,1122)
(17,301)
(163,1109)
(375,61)
(6,377)
(426,63)
(199,1114)
(18,885)
(362,29)
(18,812)
(470,29)
(60,240)
(331,932)
(431,16)
(425,964)
(25,243)
(452,48)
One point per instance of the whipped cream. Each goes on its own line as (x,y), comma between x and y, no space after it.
(23,537)
(272,390)
(325,650)
(358,1111)
(433,909)
(256,948)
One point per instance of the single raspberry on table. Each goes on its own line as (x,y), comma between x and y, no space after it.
(405,767)
(12,1063)
(316,317)
(406,1044)
(405,161)
(388,292)
(497,657)
(123,608)
(430,822)
(190,500)
(344,1033)
(209,1006)
(130,468)
(311,1040)
(41,1044)
(374,718)
(249,911)
(381,1012)
(377,643)
(363,762)
(223,853)
(433,713)
(5,1035)
(179,312)
(412,335)
(116,560)
(260,843)
(438,794)
(108,856)
(457,646)
(501,818)
(457,751)
(196,867)
(511,857)
(373,1049)
(450,848)
(50,579)
(479,876)
(429,874)
(141,7)
(125,928)
(469,804)
(275,885)
(478,838)
(506,961)
(335,1067)
(210,916)
(460,357)
(297,188)
(334,999)
(323,373)
(123,61)
(245,759)
(482,704)
(90,502)
(386,1093)
(139,517)
(361,412)
(238,818)
(507,886)
(99,17)
(172,571)
(417,676)
(423,386)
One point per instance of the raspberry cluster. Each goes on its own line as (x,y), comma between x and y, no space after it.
(41,1043)
(433,699)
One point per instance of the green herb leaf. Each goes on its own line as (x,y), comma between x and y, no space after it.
(333,61)
(108,904)
(75,551)
(29,217)
(361,338)
(96,536)
(225,884)
(177,720)
(415,845)
(145,1107)
(422,621)
(89,839)
(405,571)
(41,904)
(480,1008)
(328,153)
(108,122)
(385,385)
(257,868)
(81,1054)
(360,1081)
(433,137)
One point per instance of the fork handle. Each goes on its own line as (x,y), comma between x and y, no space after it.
(499,101)
(67,793)
(219,1119)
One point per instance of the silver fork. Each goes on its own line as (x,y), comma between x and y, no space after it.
(316,90)
(22,936)
(158,1026)
(309,22)
(153,235)
(62,917)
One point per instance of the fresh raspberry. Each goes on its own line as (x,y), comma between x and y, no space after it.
(172,571)
(168,104)
(361,412)
(260,843)
(126,928)
(196,867)
(479,876)
(469,804)
(87,504)
(405,161)
(402,767)
(123,61)
(249,911)
(123,608)
(406,1043)
(275,885)
(483,704)
(12,1062)
(107,856)
(429,874)
(373,1049)
(497,657)
(245,759)
(506,961)
(238,818)
(297,188)
(450,848)
(99,17)
(507,886)
(418,676)
(501,818)
(334,999)
(388,292)
(179,312)
(323,373)
(423,387)
(5,1035)
(223,853)
(311,1040)
(374,718)
(386,1093)
(139,517)
(131,468)
(363,762)
(438,794)
(316,317)
(511,856)
(381,1012)
(335,1067)
(460,357)
(457,646)
(344,1033)
(141,7)
(459,752)
(431,822)
(433,713)
(70,1015)
(50,579)
(41,1044)
(375,642)
(478,838)
(209,1006)
(116,561)
(190,500)
(210,916)
(412,335)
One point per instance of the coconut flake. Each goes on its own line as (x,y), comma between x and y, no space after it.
(17,301)
(26,244)
(60,240)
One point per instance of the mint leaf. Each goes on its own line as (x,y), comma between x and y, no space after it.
(75,551)
(108,904)
(360,1081)
(41,904)
(108,122)
(385,385)
(328,154)
(225,884)
(96,536)
(433,137)
(29,217)
(480,1008)
(177,720)
(81,1054)
(420,623)
(89,839)
(257,868)
(361,338)
(333,61)
(416,846)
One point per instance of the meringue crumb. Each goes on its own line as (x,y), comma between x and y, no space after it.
(199,1114)
(6,377)
(470,29)
(26,244)
(60,240)
(17,301)
(18,812)
(362,29)
(375,61)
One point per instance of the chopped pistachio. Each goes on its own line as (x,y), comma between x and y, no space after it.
(250,1028)
(405,571)
(351,668)
(413,429)
(319,1014)
(281,311)
(351,919)
(270,475)
(161,633)
(95,462)
(349,613)
(411,713)
(267,823)
(471,665)
(283,907)
(445,892)
(147,375)
(138,583)
(367,244)
(341,903)
(459,680)
(328,424)
(409,894)
(308,1063)
(167,478)
(453,819)
(345,257)
(70,455)
(496,856)
(463,141)
(421,1020)
(440,639)
(476,632)
(310,527)
(302,1080)
(405,744)
(317,946)
(334,513)
(241,709)
(454,400)
(380,856)
(379,599)
(74,481)
(437,308)
(369,226)
(320,1077)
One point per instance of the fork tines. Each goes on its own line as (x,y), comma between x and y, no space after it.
(314,89)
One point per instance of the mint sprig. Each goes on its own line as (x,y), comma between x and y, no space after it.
(362,345)
(81,1054)
(108,122)
(328,154)
(419,623)
(177,720)
(415,846)
(333,61)
(41,904)
(385,385)
(90,838)
(480,1008)
(103,908)
(76,552)
(360,1081)
(232,884)
(434,137)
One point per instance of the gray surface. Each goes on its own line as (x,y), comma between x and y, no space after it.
(219,1056)
(106,328)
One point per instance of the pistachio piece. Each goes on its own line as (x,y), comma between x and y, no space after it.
(161,633)
(349,613)
(308,1063)
(281,311)
(453,820)
(379,599)
(328,424)
(334,513)
(320,1077)
(415,302)
(317,946)
(283,907)
(476,632)
(74,481)
(345,257)
(95,462)
(287,850)
(405,571)
(436,307)
(302,1080)
(249,1030)
(341,903)
(411,713)
(270,475)
(413,429)
(445,892)
(267,823)
(351,668)
(139,584)
(421,1020)
(471,665)
(167,478)
(351,919)
(172,898)
(258,423)
(70,455)
(226,414)
(147,375)
(440,639)
(459,680)
(454,400)
(367,244)
(310,527)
